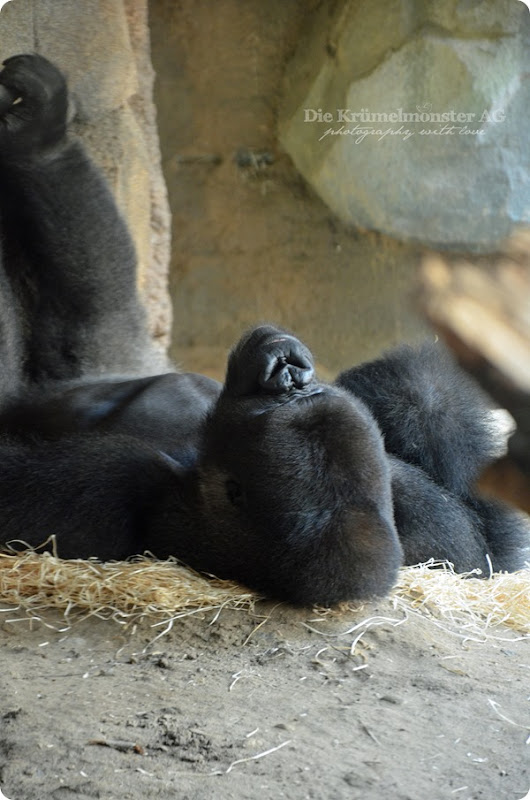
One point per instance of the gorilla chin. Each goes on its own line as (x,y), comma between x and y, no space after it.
(293,484)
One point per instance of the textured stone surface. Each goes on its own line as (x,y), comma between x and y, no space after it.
(103,47)
(251,242)
(434,181)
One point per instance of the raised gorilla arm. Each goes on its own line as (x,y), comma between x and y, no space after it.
(62,226)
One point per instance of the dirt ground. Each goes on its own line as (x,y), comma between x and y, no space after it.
(277,703)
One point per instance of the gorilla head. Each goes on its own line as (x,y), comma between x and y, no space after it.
(292,485)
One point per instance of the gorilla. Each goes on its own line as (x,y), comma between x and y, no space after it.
(305,491)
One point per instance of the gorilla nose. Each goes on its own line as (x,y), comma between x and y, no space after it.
(269,360)
(284,371)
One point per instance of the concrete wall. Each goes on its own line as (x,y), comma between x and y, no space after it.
(251,240)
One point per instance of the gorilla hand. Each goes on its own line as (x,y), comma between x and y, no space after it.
(33,107)
(270,361)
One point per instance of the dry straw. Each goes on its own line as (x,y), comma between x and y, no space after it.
(160,591)
(123,590)
(466,602)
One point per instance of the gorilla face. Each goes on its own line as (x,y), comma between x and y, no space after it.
(294,479)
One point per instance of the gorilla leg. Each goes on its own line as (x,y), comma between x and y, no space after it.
(475,533)
(438,422)
(10,338)
(68,309)
(430,413)
(433,524)
(505,531)
(10,324)
(72,262)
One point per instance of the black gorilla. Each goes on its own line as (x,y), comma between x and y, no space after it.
(274,479)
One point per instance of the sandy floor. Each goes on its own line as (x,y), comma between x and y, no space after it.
(271,704)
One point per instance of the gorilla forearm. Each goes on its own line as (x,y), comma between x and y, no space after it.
(71,227)
(84,286)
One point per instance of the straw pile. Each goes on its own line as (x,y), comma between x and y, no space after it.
(122,590)
(159,591)
(469,604)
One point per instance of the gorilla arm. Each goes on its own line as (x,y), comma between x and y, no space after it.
(85,316)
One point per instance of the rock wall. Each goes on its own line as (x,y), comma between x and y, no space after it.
(331,255)
(411,118)
(251,241)
(103,47)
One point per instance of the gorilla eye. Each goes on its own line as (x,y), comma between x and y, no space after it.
(234,492)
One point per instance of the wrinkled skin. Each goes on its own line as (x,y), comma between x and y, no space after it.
(274,479)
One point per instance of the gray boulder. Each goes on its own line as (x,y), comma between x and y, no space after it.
(426,135)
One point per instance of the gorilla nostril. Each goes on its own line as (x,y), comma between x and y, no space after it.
(268,360)
(284,376)
(278,378)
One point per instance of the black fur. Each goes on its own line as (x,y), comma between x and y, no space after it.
(438,429)
(274,479)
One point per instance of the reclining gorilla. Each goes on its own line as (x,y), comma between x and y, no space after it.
(274,479)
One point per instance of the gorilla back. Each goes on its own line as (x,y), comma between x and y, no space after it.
(274,479)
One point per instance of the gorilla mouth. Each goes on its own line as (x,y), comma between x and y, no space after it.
(295,396)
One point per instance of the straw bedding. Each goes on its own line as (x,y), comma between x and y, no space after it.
(166,591)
